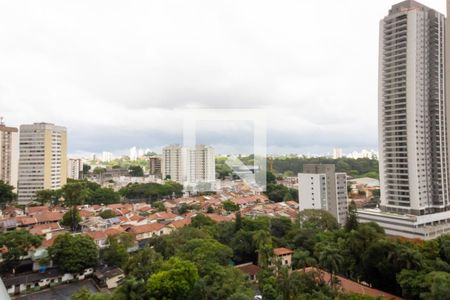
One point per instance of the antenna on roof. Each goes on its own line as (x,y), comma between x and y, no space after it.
(1,121)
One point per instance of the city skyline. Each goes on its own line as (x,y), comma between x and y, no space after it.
(288,73)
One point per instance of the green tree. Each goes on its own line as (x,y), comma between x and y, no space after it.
(438,284)
(352,220)
(317,219)
(331,260)
(136,171)
(45,196)
(201,220)
(175,280)
(107,214)
(103,196)
(86,169)
(71,218)
(6,194)
(142,264)
(229,206)
(206,253)
(130,289)
(116,253)
(221,282)
(74,253)
(302,259)
(18,243)
(263,242)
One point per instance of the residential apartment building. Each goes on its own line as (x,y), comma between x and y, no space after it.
(42,159)
(74,168)
(412,109)
(154,164)
(320,187)
(9,154)
(201,164)
(173,163)
(188,165)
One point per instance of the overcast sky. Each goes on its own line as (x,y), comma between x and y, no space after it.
(119,73)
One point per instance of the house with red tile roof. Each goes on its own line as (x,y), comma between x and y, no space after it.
(177,224)
(25,221)
(115,230)
(162,216)
(284,256)
(32,210)
(350,286)
(246,201)
(147,231)
(250,270)
(44,229)
(100,238)
(49,217)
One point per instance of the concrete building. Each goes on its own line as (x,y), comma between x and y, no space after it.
(320,187)
(9,154)
(413,110)
(154,164)
(74,168)
(107,156)
(201,164)
(188,165)
(42,160)
(337,153)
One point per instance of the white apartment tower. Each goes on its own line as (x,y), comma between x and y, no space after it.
(320,187)
(412,111)
(74,168)
(188,165)
(42,160)
(173,163)
(9,154)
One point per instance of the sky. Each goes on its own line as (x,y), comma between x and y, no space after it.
(119,74)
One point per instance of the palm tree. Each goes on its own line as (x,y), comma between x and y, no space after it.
(331,260)
(263,242)
(302,259)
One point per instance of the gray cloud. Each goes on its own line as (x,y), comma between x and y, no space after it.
(118,74)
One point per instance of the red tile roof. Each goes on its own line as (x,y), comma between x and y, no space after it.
(25,220)
(49,217)
(37,209)
(139,229)
(96,235)
(181,223)
(114,231)
(249,268)
(282,251)
(350,286)
(42,229)
(162,216)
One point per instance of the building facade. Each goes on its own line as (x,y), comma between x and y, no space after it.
(320,187)
(74,168)
(9,154)
(412,111)
(188,165)
(154,164)
(42,159)
(413,125)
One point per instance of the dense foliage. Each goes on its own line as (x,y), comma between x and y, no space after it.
(7,194)
(361,167)
(195,262)
(74,253)
(16,244)
(151,192)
